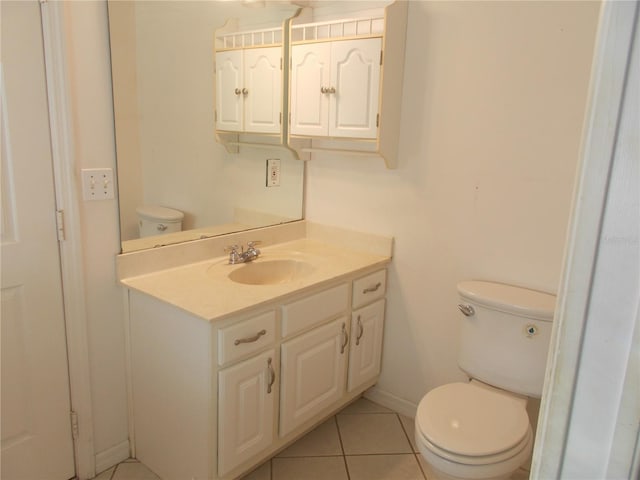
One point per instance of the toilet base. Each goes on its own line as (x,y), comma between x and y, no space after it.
(432,474)
(509,469)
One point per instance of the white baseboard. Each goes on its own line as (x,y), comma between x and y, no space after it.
(112,456)
(386,399)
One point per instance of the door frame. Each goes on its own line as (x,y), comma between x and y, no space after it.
(71,247)
(576,343)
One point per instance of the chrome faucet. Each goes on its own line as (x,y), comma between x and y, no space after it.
(243,256)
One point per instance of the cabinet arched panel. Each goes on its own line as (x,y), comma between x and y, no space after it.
(355,75)
(228,81)
(263,87)
(309,75)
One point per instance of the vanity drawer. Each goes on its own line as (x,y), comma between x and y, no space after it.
(298,316)
(369,288)
(246,337)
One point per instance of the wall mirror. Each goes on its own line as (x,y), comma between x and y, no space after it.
(162,55)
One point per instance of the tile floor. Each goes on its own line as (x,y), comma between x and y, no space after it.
(362,442)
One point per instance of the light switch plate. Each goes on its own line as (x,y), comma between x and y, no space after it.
(97,184)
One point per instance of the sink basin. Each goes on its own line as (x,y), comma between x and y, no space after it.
(270,272)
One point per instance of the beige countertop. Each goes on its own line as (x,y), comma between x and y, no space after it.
(204,289)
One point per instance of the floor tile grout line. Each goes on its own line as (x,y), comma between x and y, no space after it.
(344,457)
(405,432)
(415,455)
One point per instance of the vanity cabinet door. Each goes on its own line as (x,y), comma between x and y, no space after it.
(246,409)
(262,92)
(365,351)
(313,373)
(355,75)
(229,80)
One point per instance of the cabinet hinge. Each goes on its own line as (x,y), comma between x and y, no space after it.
(280,63)
(380,57)
(280,118)
(74,425)
(289,118)
(378,120)
(60,225)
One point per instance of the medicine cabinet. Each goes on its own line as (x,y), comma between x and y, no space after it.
(340,77)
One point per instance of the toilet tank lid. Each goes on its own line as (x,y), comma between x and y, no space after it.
(154,212)
(509,298)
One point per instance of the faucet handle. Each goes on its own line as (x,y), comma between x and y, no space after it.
(253,243)
(234,256)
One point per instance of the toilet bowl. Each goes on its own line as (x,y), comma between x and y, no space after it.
(155,220)
(481,429)
(472,431)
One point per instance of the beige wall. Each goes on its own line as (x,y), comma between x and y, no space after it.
(493,105)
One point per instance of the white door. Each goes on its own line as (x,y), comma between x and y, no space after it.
(313,373)
(246,410)
(355,75)
(229,81)
(365,353)
(310,79)
(36,432)
(263,90)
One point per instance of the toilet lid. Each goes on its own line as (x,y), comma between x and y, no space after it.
(469,420)
(154,212)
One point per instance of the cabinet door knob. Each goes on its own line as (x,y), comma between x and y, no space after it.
(272,375)
(360,331)
(345,338)
(237,91)
(323,89)
(245,91)
(331,90)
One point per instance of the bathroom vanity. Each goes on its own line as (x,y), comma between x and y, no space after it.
(231,363)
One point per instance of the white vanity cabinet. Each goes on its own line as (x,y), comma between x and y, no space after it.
(212,399)
(335,88)
(249,90)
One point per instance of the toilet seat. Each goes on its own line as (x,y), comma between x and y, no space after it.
(473,421)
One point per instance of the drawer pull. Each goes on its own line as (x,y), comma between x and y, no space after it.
(272,375)
(372,289)
(255,338)
(345,338)
(360,331)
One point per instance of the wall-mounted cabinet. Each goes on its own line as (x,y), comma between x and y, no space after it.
(249,90)
(335,88)
(249,86)
(341,92)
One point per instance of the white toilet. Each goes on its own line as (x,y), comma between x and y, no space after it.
(480,429)
(155,220)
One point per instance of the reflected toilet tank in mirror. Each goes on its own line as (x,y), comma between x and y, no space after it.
(163,70)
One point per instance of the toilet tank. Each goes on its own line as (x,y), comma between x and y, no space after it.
(156,220)
(504,337)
